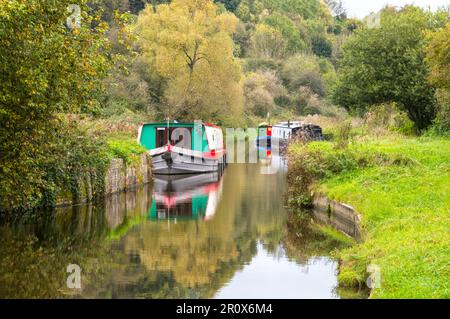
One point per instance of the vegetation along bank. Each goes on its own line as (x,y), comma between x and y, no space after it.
(400,186)
(390,161)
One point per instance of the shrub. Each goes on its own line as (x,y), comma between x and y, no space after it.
(389,116)
(268,43)
(288,30)
(81,153)
(308,103)
(322,47)
(442,121)
(303,70)
(255,64)
(260,91)
(125,147)
(343,136)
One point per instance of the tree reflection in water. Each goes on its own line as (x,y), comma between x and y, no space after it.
(179,239)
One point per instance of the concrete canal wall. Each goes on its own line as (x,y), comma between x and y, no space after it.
(341,216)
(118,177)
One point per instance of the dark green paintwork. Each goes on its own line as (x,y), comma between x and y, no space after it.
(199,203)
(148,135)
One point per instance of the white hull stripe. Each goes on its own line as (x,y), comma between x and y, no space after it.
(182,151)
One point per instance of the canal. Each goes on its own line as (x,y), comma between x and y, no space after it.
(207,236)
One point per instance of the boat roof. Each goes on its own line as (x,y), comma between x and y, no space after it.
(174,123)
(291,125)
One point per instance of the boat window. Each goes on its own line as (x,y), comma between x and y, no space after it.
(161,137)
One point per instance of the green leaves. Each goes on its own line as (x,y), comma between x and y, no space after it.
(125,148)
(45,69)
(438,57)
(387,65)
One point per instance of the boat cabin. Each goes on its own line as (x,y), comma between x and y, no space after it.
(183,148)
(285,131)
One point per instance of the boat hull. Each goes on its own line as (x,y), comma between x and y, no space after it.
(178,163)
(183,183)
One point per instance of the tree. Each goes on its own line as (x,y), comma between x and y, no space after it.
(242,38)
(249,10)
(337,8)
(267,42)
(438,58)
(261,89)
(45,69)
(289,31)
(307,9)
(230,5)
(387,64)
(303,71)
(322,47)
(190,46)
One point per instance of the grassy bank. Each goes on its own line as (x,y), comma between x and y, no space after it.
(401,188)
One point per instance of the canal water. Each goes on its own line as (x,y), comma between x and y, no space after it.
(207,236)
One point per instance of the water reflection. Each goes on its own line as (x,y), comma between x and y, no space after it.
(186,197)
(283,278)
(186,237)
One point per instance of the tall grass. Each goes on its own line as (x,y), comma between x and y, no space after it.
(400,186)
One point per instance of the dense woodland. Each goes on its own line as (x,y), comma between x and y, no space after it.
(70,96)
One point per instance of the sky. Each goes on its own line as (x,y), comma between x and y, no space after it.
(362,8)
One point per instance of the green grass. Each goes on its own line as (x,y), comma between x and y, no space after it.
(124,147)
(401,187)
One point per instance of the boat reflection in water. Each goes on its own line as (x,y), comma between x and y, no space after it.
(186,197)
(187,237)
(270,158)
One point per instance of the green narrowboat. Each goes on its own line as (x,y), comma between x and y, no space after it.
(183,148)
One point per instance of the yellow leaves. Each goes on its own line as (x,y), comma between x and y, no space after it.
(227,22)
(264,28)
(268,42)
(190,45)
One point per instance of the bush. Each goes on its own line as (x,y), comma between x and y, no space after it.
(343,136)
(268,43)
(255,64)
(288,30)
(442,121)
(308,103)
(322,47)
(303,70)
(389,116)
(260,91)
(125,147)
(81,153)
